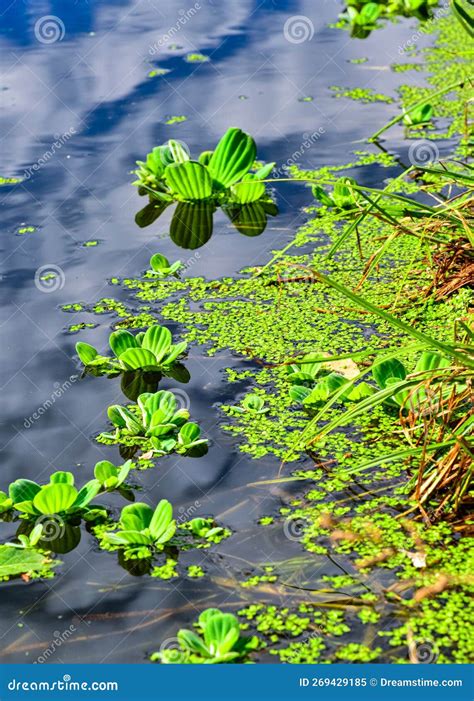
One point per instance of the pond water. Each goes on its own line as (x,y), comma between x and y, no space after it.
(92,90)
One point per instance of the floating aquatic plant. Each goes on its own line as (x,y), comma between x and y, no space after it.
(141,525)
(158,420)
(151,350)
(251,404)
(59,498)
(361,15)
(110,476)
(222,175)
(218,641)
(161,267)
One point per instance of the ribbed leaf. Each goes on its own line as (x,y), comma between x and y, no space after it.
(86,352)
(192,642)
(128,538)
(87,493)
(189,433)
(62,477)
(55,498)
(174,352)
(248,190)
(14,561)
(158,262)
(179,153)
(429,361)
(233,157)
(115,415)
(392,368)
(221,633)
(157,339)
(136,517)
(121,340)
(162,522)
(23,490)
(137,358)
(189,180)
(103,470)
(192,224)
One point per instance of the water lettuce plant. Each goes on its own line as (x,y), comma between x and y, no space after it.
(361,15)
(218,640)
(151,350)
(343,196)
(224,174)
(251,404)
(161,267)
(140,525)
(110,476)
(157,419)
(6,503)
(59,498)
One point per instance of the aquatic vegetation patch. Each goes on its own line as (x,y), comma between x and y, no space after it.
(155,424)
(364,95)
(218,641)
(149,350)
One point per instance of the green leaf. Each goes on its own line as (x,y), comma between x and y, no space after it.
(128,538)
(464,17)
(158,262)
(189,433)
(205,157)
(263,172)
(178,152)
(55,498)
(207,614)
(157,339)
(249,189)
(174,353)
(115,415)
(321,195)
(104,470)
(61,477)
(369,13)
(26,507)
(429,361)
(392,368)
(87,493)
(23,490)
(121,340)
(136,517)
(86,352)
(299,392)
(193,642)
(138,358)
(221,633)
(162,527)
(190,180)
(233,157)
(325,387)
(14,561)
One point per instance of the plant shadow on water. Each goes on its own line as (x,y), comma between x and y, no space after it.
(192,223)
